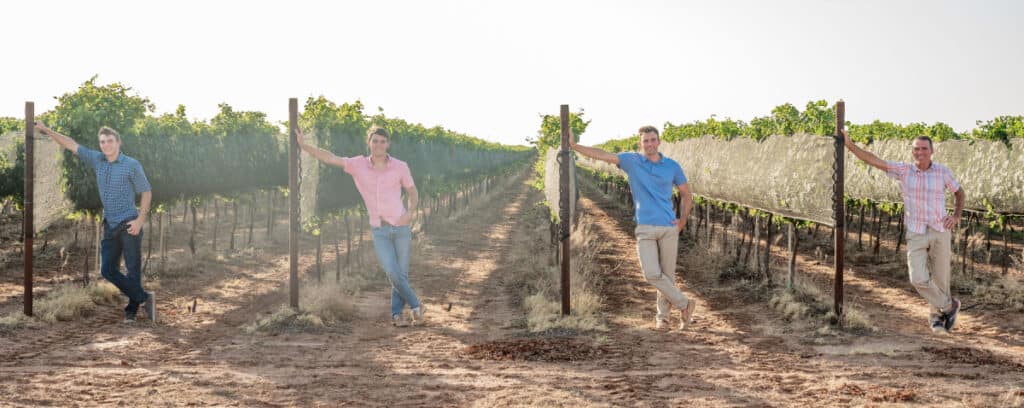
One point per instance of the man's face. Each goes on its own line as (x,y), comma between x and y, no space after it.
(922,151)
(378,145)
(109,145)
(649,142)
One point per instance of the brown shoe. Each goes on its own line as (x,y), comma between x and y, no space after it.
(686,315)
(418,315)
(399,320)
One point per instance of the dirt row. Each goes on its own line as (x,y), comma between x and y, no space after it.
(475,349)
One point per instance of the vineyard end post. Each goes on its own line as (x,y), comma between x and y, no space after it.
(293,203)
(563,206)
(27,227)
(838,209)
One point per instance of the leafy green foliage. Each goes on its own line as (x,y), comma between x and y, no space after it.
(441,160)
(550,136)
(12,173)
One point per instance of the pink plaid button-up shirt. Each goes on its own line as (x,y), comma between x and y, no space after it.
(381,188)
(924,194)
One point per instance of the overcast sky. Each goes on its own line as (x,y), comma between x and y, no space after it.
(488,68)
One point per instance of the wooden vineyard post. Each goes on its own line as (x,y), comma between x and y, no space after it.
(293,204)
(563,206)
(27,227)
(838,209)
(791,275)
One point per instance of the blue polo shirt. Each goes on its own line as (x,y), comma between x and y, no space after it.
(651,184)
(119,181)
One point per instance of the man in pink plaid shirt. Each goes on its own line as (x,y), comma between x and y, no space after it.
(923,185)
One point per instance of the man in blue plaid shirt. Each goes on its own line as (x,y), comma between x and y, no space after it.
(119,178)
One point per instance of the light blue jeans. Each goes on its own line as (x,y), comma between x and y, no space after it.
(392,247)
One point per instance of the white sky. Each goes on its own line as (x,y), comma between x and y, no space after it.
(489,68)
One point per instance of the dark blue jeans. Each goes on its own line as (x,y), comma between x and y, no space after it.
(117,242)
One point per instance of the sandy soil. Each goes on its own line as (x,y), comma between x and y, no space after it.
(474,350)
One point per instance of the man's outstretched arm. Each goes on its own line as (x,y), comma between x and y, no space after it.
(864,155)
(62,140)
(593,152)
(320,154)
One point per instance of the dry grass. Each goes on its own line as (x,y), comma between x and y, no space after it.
(66,302)
(998,290)
(805,303)
(63,303)
(799,303)
(544,314)
(286,320)
(541,280)
(322,307)
(990,288)
(14,321)
(105,293)
(331,302)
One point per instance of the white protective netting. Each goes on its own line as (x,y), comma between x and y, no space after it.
(309,179)
(792,175)
(551,183)
(49,202)
(986,169)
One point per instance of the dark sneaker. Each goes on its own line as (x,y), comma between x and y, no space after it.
(951,315)
(938,323)
(150,306)
(129,318)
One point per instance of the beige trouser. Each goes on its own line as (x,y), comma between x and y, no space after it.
(657,248)
(928,258)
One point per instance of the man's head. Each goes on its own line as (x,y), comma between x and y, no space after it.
(649,140)
(378,140)
(923,150)
(110,142)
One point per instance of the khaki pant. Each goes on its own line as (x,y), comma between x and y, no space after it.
(657,248)
(928,259)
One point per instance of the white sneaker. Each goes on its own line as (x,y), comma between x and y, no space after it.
(686,315)
(399,320)
(417,314)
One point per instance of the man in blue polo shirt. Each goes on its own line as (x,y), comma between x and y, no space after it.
(652,177)
(119,179)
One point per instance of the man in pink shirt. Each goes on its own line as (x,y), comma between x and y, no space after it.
(380,179)
(923,185)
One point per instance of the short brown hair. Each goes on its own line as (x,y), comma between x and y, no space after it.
(649,129)
(109,132)
(927,139)
(376,130)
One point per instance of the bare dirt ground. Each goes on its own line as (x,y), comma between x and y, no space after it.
(475,351)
